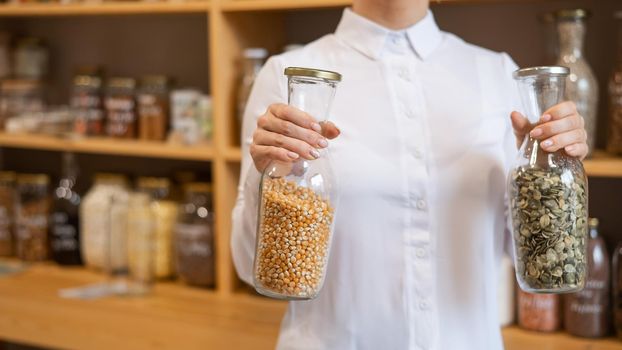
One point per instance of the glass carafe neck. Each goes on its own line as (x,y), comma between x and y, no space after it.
(571,37)
(311,95)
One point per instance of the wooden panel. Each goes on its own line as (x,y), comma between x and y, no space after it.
(108,146)
(604,166)
(110,8)
(173,317)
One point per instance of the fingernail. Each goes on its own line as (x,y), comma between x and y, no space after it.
(535,132)
(323,143)
(317,127)
(292,155)
(570,148)
(545,118)
(315,154)
(547,143)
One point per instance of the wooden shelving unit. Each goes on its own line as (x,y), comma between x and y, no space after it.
(176,316)
(133,148)
(103,8)
(172,317)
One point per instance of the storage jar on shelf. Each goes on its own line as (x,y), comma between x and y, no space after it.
(103,224)
(7,212)
(581,84)
(614,140)
(547,197)
(194,236)
(121,108)
(587,313)
(64,221)
(140,243)
(292,253)
(32,213)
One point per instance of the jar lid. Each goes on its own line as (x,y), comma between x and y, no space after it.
(110,177)
(153,182)
(87,81)
(30,41)
(158,81)
(592,222)
(8,176)
(255,53)
(572,14)
(314,73)
(33,179)
(198,187)
(539,71)
(122,83)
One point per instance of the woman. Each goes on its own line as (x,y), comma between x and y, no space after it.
(423,153)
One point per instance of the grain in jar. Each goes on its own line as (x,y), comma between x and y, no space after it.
(293,240)
(164,215)
(194,236)
(7,202)
(121,108)
(140,241)
(32,213)
(103,223)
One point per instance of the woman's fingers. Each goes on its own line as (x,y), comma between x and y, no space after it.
(561,110)
(330,130)
(520,125)
(294,116)
(273,139)
(263,155)
(578,150)
(557,126)
(289,129)
(564,139)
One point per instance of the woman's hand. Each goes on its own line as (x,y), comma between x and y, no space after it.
(285,134)
(559,127)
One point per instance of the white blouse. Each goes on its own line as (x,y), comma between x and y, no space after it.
(422,160)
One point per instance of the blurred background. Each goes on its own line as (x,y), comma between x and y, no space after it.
(120,156)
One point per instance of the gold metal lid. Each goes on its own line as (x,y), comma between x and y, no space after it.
(87,80)
(160,81)
(122,83)
(8,176)
(572,14)
(144,182)
(110,177)
(313,73)
(592,222)
(33,179)
(541,70)
(198,187)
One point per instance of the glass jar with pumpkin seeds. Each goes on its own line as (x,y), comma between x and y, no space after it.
(547,197)
(297,204)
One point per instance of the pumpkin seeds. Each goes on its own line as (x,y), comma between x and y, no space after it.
(549,219)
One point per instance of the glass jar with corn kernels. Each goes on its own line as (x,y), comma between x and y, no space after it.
(297,204)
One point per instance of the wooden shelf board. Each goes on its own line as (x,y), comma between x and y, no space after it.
(174,316)
(132,148)
(603,165)
(104,8)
